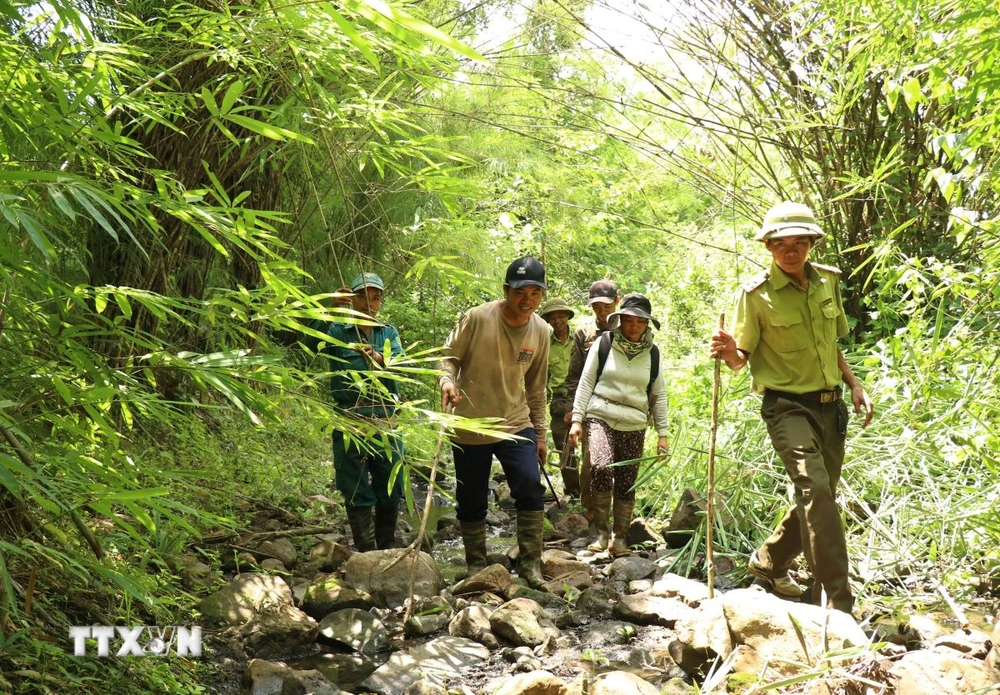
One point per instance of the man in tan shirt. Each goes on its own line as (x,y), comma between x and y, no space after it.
(495,366)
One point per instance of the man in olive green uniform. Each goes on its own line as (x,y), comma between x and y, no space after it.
(557,313)
(603,301)
(787,321)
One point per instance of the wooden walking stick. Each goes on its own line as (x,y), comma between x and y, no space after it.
(710,554)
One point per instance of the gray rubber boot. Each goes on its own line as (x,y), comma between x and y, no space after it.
(474,540)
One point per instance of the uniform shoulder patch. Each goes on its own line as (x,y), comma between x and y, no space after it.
(827,268)
(756,282)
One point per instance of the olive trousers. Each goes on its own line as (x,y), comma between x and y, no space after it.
(809,437)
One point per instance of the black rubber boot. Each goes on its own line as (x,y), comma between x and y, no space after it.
(362,528)
(385,527)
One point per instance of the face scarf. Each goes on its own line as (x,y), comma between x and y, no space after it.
(628,347)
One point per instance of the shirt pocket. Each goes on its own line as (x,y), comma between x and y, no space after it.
(788,333)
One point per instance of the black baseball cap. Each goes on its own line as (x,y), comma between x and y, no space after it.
(525,271)
(603,292)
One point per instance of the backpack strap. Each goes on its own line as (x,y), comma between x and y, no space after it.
(604,349)
(654,368)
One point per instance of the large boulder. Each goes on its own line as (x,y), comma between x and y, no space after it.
(390,586)
(781,632)
(621,683)
(279,630)
(534,683)
(242,598)
(439,661)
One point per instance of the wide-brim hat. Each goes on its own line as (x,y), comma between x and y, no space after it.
(789,219)
(635,305)
(367,280)
(553,305)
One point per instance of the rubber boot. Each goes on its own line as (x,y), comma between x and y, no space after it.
(474,540)
(602,509)
(529,544)
(385,527)
(362,528)
(623,519)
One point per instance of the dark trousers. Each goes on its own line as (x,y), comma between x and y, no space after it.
(809,438)
(362,476)
(519,459)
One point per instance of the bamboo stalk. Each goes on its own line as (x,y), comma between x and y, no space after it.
(710,525)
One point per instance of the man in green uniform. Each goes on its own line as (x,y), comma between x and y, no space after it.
(603,301)
(787,321)
(557,313)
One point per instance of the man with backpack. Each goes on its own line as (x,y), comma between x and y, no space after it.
(557,314)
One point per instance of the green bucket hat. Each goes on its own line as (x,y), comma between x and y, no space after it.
(553,305)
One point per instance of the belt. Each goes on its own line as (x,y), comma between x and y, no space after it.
(829,396)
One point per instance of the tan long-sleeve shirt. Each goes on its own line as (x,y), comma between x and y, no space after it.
(500,370)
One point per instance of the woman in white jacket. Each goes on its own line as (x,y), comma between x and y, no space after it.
(619,392)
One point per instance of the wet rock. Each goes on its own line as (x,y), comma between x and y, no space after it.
(279,630)
(370,572)
(535,683)
(523,622)
(642,533)
(926,672)
(429,616)
(282,549)
(329,555)
(356,629)
(650,609)
(474,623)
(242,598)
(271,678)
(595,603)
(693,661)
(494,578)
(439,661)
(327,594)
(621,683)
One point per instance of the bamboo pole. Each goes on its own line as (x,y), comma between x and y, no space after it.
(710,525)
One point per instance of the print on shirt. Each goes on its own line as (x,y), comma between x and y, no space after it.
(526,355)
